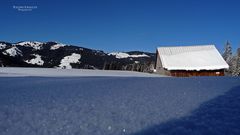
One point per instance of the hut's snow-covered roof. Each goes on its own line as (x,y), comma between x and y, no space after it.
(204,57)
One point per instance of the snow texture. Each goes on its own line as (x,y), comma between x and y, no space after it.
(121,55)
(51,72)
(35,45)
(57,46)
(219,116)
(119,105)
(67,60)
(37,60)
(13,51)
(2,46)
(191,58)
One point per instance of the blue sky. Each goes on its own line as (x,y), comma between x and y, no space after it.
(123,25)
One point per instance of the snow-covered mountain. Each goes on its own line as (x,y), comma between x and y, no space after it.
(58,55)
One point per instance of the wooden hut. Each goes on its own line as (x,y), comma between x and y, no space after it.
(186,61)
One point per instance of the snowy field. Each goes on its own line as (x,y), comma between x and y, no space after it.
(52,72)
(113,105)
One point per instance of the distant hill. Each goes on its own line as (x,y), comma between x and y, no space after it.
(58,55)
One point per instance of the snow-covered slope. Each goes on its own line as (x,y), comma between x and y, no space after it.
(13,51)
(2,46)
(37,60)
(119,106)
(35,45)
(67,60)
(121,55)
(57,46)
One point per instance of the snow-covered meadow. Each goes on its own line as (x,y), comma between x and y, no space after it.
(57,101)
(53,72)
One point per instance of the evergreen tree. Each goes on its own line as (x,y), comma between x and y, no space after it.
(233,67)
(238,62)
(227,54)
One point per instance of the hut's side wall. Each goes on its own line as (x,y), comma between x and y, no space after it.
(183,73)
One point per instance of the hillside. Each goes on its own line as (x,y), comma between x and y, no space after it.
(58,55)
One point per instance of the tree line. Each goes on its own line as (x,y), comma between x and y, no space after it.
(146,66)
(233,60)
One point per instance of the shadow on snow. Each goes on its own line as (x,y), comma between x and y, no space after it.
(220,116)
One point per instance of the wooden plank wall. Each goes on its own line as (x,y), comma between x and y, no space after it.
(183,73)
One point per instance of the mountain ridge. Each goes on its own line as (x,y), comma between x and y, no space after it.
(53,54)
